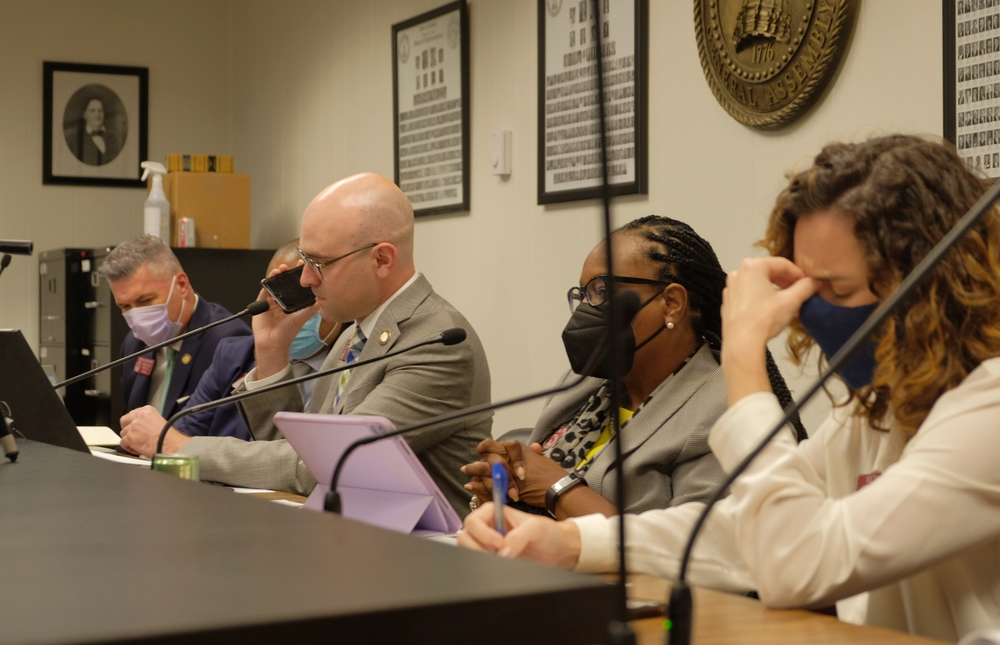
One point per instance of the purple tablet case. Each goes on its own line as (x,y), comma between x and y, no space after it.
(382,483)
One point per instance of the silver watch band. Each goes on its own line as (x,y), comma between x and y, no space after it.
(559,488)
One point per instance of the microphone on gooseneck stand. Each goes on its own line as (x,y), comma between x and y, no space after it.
(451,336)
(619,631)
(4,262)
(254,308)
(17,247)
(679,609)
(7,431)
(626,305)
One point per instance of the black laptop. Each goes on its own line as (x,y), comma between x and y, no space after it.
(37,411)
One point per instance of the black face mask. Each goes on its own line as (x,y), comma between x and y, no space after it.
(587,331)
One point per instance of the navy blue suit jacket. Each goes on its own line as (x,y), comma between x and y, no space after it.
(233,359)
(193,359)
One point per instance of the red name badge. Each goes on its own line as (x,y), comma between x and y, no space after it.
(864,480)
(144,366)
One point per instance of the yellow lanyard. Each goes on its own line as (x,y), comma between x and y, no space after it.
(623,416)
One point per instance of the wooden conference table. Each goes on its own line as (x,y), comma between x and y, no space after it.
(92,551)
(726,619)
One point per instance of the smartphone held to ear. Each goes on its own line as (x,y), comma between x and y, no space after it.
(287,292)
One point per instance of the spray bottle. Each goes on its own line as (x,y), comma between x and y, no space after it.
(156,211)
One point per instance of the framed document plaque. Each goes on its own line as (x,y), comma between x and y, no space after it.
(972,82)
(430,96)
(569,145)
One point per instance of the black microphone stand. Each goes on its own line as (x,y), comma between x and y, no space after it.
(449,337)
(619,631)
(680,604)
(254,308)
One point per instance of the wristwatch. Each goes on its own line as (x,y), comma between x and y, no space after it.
(559,488)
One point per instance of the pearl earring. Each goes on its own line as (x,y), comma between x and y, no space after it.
(670,325)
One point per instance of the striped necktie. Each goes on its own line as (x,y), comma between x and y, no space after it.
(357,344)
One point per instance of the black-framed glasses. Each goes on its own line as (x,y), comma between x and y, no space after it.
(319,266)
(595,292)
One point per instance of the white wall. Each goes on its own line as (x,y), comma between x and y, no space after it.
(300,91)
(186,46)
(312,102)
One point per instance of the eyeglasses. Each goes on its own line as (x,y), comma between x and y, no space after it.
(319,266)
(595,292)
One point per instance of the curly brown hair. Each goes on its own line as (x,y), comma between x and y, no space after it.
(904,193)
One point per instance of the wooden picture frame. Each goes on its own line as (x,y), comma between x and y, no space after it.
(94,124)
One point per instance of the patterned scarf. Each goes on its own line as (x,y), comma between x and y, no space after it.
(570,443)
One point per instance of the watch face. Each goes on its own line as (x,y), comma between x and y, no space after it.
(568,481)
(558,488)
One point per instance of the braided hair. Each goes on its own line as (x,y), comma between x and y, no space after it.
(684,257)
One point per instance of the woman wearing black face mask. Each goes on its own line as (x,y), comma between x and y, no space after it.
(897,494)
(672,389)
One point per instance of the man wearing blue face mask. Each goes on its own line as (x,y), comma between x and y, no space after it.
(309,350)
(159,303)
(233,359)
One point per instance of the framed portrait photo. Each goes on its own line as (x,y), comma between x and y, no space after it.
(569,142)
(94,124)
(430,96)
(972,82)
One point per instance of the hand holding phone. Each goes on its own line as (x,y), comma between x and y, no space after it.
(287,292)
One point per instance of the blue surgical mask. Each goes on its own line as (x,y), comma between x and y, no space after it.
(831,326)
(307,342)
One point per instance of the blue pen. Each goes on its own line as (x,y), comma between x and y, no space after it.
(499,496)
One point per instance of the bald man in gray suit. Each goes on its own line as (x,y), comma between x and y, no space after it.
(357,245)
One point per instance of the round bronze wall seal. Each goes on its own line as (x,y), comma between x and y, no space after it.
(767,61)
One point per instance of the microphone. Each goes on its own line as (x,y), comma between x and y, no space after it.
(680,606)
(7,431)
(17,247)
(254,308)
(4,262)
(451,336)
(625,306)
(619,631)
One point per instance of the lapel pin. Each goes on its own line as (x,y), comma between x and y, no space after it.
(186,358)
(384,337)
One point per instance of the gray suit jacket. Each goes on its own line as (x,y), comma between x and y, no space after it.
(406,389)
(665,446)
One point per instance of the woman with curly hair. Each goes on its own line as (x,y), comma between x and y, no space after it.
(897,494)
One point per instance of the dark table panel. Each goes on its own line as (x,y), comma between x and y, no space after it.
(93,551)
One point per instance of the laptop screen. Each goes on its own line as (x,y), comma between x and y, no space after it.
(37,411)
